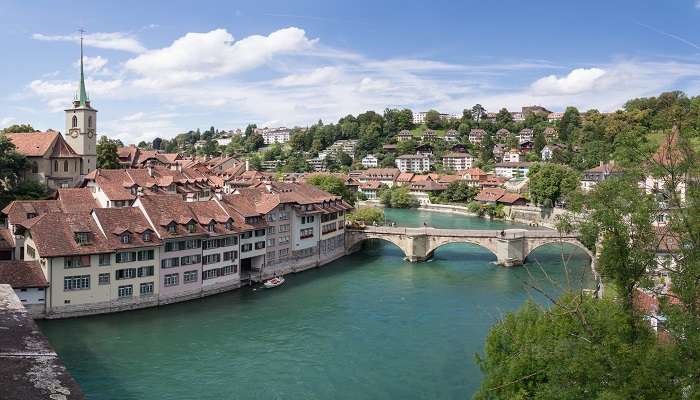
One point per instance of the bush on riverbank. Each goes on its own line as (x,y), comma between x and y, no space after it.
(493,211)
(398,197)
(367,216)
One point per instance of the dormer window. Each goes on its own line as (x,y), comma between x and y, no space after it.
(172,227)
(229,225)
(31,215)
(125,238)
(81,238)
(191,228)
(211,227)
(147,236)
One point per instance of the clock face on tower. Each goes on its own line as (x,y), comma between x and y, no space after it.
(91,133)
(74,134)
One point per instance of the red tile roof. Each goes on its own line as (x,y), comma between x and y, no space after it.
(22,274)
(40,144)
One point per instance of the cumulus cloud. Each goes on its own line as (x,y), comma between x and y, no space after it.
(198,56)
(103,40)
(315,77)
(92,64)
(577,81)
(369,84)
(59,94)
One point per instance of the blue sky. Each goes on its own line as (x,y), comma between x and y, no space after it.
(160,68)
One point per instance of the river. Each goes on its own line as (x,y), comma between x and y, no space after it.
(368,326)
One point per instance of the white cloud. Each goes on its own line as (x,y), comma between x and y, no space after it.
(6,121)
(697,4)
(92,64)
(370,85)
(577,81)
(59,94)
(198,56)
(103,40)
(315,77)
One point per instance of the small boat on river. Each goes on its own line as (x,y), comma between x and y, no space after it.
(274,282)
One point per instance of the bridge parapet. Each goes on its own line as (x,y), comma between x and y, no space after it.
(510,246)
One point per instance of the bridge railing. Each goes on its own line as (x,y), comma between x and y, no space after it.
(504,233)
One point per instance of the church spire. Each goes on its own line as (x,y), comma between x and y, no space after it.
(83,99)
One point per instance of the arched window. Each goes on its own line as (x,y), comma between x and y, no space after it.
(90,122)
(55,165)
(75,121)
(65,165)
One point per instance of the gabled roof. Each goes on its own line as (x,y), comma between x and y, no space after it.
(42,144)
(54,235)
(116,221)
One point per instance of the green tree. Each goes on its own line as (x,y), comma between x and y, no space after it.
(344,159)
(504,118)
(398,197)
(458,192)
(478,113)
(12,167)
(21,128)
(249,130)
(540,142)
(367,216)
(332,184)
(107,156)
(551,182)
(487,148)
(433,119)
(568,124)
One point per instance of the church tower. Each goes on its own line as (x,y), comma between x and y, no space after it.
(81,125)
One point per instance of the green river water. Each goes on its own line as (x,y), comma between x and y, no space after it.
(368,326)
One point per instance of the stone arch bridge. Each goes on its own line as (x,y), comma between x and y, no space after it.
(511,246)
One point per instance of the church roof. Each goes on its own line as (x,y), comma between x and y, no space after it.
(40,144)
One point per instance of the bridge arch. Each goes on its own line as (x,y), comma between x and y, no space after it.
(573,242)
(436,244)
(355,241)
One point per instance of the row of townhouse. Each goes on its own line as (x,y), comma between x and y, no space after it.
(164,249)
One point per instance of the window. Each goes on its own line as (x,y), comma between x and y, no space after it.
(306,233)
(105,259)
(81,238)
(145,271)
(189,260)
(30,252)
(55,165)
(270,242)
(147,236)
(145,255)
(146,288)
(270,255)
(229,269)
(211,227)
(80,282)
(171,280)
(124,257)
(103,279)
(228,225)
(211,259)
(90,122)
(283,252)
(210,274)
(230,255)
(246,235)
(270,230)
(246,247)
(259,232)
(74,122)
(284,228)
(35,168)
(125,291)
(172,227)
(76,262)
(65,165)
(191,227)
(259,245)
(126,238)
(189,276)
(283,240)
(126,273)
(170,262)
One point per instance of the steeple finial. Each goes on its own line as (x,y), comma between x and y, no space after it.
(82,93)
